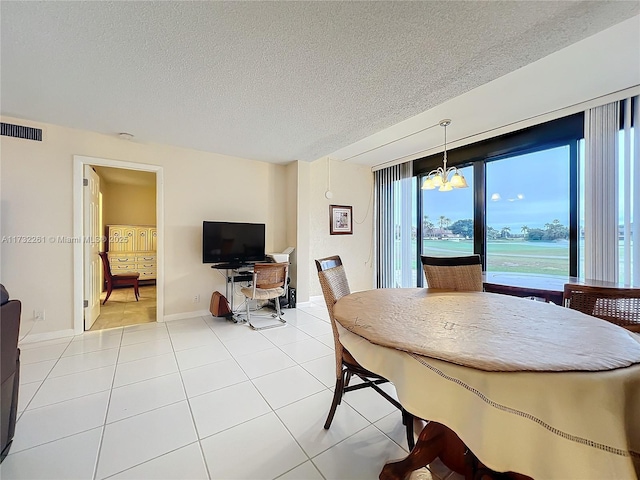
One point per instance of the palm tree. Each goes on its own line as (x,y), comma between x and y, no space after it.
(524,230)
(505,232)
(443,222)
(427,226)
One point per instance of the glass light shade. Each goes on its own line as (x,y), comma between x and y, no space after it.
(446,187)
(428,184)
(437,180)
(458,181)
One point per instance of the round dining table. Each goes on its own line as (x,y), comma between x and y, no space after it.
(529,387)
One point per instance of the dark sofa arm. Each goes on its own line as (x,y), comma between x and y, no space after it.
(9,369)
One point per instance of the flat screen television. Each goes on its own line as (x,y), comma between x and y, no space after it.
(230,242)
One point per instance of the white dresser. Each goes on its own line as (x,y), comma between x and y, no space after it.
(132,248)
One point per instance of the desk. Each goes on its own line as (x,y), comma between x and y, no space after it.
(233,273)
(526,411)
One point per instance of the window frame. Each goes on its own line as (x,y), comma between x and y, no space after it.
(563,131)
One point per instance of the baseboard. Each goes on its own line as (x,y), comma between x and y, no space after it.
(40,337)
(303,304)
(185,315)
(317,299)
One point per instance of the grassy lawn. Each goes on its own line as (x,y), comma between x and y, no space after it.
(518,256)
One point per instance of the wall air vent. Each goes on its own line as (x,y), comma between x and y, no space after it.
(19,131)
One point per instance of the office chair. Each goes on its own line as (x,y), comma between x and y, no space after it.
(269,282)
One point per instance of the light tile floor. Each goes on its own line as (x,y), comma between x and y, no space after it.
(201,398)
(122,309)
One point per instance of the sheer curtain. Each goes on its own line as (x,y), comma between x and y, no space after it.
(394,205)
(611,188)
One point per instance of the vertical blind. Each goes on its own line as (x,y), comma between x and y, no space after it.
(631,194)
(601,192)
(393,187)
(611,191)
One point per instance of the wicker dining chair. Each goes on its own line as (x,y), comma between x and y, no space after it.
(616,305)
(335,285)
(453,273)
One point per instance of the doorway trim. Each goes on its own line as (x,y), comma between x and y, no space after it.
(79,161)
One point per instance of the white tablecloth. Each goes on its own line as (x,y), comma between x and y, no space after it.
(548,425)
(487,331)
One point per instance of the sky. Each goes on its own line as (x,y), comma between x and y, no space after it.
(531,190)
(525,190)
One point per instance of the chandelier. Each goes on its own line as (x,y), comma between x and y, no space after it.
(445,178)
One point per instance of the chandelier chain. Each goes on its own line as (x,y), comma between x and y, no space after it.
(440,176)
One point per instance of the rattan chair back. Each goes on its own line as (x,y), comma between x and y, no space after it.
(616,305)
(333,281)
(335,285)
(270,275)
(453,273)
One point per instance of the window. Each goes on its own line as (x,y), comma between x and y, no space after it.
(524,210)
(520,210)
(447,220)
(527,213)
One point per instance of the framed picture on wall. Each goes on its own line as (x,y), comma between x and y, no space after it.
(340,220)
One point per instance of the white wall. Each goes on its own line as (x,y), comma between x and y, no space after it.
(351,185)
(291,213)
(36,199)
(303,252)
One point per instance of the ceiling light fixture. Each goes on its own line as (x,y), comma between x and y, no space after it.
(440,176)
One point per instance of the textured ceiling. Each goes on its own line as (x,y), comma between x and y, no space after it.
(272,81)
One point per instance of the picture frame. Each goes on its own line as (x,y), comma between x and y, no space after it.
(340,220)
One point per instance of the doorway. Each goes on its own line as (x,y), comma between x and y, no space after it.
(130,200)
(127,217)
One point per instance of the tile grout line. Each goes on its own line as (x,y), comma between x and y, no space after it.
(180,372)
(269,405)
(298,400)
(193,418)
(150,460)
(106,414)
(82,371)
(52,441)
(43,380)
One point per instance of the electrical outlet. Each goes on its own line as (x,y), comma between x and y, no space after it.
(38,314)
(196,299)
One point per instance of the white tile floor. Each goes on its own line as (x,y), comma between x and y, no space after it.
(197,399)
